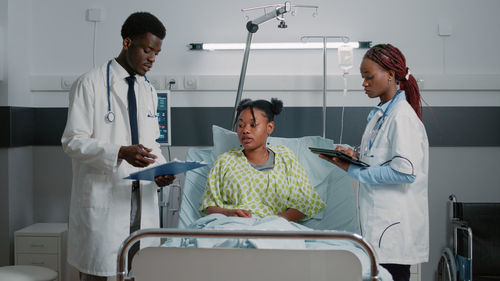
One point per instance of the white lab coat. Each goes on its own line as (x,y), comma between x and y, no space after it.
(394,218)
(99,218)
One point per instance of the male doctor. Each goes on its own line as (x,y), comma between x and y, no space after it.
(111,131)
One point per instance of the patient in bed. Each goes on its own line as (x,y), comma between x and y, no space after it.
(257,180)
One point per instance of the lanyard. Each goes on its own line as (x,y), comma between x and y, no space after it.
(380,122)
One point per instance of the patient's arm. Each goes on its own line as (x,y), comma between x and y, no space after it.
(292,214)
(229,212)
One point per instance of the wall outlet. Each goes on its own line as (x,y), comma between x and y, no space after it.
(173,82)
(157,82)
(190,82)
(67,82)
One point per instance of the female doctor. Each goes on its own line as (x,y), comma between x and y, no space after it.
(393,189)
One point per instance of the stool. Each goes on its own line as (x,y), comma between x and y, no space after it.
(27,273)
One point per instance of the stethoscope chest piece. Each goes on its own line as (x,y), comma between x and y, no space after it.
(110,117)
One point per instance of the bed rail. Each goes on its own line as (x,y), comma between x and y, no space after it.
(122,274)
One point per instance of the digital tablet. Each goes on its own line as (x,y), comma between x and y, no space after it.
(339,154)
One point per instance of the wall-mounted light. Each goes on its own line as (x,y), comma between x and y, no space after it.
(275,46)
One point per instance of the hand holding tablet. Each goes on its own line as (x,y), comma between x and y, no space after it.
(339,154)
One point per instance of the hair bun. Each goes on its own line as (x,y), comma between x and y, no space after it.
(276,106)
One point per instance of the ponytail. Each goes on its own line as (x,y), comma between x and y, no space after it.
(410,87)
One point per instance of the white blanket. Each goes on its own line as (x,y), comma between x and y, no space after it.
(274,223)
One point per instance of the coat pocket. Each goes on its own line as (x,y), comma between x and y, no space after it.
(95,191)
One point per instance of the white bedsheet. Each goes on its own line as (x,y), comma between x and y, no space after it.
(274,223)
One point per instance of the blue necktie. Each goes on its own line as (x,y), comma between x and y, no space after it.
(135,223)
(132,109)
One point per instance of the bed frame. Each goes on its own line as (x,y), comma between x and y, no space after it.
(162,263)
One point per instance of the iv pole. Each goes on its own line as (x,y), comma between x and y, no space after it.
(325,39)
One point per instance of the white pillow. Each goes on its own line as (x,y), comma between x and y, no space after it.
(224,140)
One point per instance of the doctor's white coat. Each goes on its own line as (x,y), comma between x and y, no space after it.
(394,217)
(99,217)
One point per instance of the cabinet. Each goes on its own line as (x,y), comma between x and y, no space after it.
(42,244)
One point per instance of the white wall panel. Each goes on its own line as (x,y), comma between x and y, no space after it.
(412,26)
(18,48)
(295,90)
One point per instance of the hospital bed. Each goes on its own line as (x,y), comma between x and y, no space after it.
(353,259)
(476,243)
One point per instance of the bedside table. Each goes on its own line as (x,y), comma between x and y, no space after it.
(42,244)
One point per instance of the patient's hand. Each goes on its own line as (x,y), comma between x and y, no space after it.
(238,213)
(292,214)
(229,212)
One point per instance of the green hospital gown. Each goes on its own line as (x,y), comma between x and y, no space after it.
(234,184)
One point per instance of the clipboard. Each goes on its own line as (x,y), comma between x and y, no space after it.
(339,154)
(171,168)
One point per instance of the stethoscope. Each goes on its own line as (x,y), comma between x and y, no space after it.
(110,115)
(378,126)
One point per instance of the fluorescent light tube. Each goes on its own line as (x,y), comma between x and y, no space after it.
(276,46)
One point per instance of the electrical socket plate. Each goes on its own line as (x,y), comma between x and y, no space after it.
(190,82)
(67,82)
(157,82)
(175,84)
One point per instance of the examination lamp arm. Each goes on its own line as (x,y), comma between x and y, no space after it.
(242,78)
(253,25)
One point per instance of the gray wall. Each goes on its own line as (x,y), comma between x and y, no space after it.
(4,208)
(16,183)
(21,197)
(52,184)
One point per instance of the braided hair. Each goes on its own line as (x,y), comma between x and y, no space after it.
(391,58)
(269,108)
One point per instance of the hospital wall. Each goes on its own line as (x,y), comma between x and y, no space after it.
(46,43)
